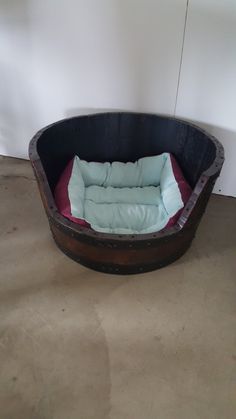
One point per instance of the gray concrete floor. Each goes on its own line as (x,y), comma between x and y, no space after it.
(77,344)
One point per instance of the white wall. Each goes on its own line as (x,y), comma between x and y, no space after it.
(67,57)
(59,58)
(207,90)
(18,104)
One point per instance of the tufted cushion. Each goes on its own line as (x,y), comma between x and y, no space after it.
(129,198)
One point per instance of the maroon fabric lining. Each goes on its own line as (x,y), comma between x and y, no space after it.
(184,189)
(62,197)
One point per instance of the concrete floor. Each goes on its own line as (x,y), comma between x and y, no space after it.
(77,344)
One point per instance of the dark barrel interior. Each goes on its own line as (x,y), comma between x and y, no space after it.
(124,137)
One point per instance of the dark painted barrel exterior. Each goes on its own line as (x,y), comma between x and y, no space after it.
(125,137)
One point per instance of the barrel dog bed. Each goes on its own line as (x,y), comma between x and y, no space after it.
(124,192)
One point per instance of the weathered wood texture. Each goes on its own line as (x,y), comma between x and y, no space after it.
(125,137)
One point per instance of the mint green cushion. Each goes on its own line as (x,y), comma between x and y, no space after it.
(127,198)
(148,195)
(144,172)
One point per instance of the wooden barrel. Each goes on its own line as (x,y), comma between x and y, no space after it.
(125,136)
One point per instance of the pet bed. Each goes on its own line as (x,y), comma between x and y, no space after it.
(127,198)
(125,137)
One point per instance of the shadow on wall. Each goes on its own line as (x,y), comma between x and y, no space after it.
(17,103)
(89,111)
